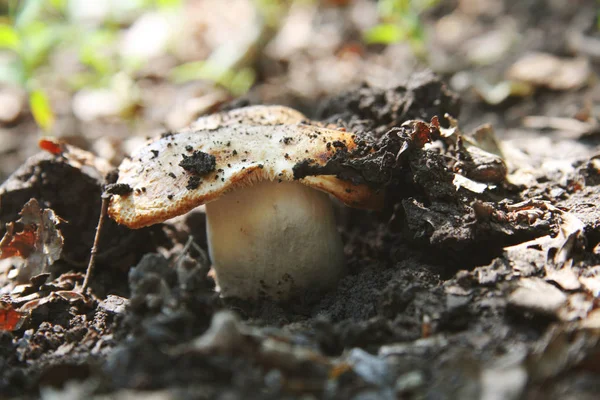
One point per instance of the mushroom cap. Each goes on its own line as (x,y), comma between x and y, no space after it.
(251,115)
(230,150)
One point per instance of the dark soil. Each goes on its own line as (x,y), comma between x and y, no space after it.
(198,163)
(453,292)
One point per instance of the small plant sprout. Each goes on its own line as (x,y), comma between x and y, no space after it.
(270,224)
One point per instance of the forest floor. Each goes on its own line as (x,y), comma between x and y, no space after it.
(479,279)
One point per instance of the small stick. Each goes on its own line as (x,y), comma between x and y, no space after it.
(202,254)
(185,249)
(92,263)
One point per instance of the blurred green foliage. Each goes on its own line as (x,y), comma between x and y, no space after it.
(30,40)
(232,65)
(400,21)
(272,10)
(41,110)
(31,30)
(235,81)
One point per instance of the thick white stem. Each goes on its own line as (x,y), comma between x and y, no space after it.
(274,239)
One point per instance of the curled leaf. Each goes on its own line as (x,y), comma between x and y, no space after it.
(34,238)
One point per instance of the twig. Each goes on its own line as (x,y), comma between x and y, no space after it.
(92,263)
(184,250)
(191,243)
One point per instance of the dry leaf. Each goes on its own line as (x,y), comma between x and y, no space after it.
(10,319)
(34,238)
(51,146)
(538,296)
(591,283)
(76,157)
(469,184)
(542,69)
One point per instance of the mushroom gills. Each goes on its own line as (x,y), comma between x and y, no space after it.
(274,239)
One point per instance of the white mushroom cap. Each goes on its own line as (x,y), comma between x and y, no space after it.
(270,233)
(252,115)
(244,153)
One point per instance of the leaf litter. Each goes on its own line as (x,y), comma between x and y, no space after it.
(35,237)
(452,290)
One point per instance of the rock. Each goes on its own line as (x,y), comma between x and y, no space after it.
(224,334)
(113,304)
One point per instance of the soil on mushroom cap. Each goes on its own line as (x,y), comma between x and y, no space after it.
(199,163)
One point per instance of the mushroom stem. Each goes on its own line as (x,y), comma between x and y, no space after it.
(274,239)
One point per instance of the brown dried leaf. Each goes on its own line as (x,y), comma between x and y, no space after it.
(10,319)
(34,237)
(76,157)
(18,244)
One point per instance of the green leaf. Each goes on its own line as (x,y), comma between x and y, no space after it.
(385,34)
(186,72)
(41,110)
(29,13)
(87,79)
(424,5)
(168,3)
(393,8)
(270,10)
(93,51)
(9,38)
(241,82)
(195,70)
(38,40)
(237,82)
(59,5)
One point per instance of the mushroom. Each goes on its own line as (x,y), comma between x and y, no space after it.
(271,229)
